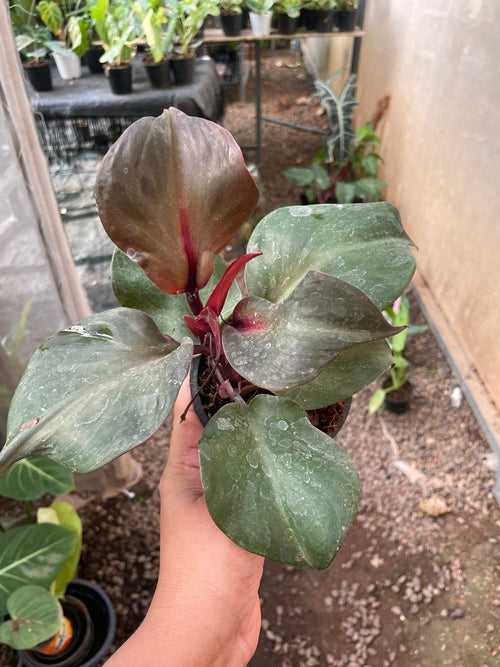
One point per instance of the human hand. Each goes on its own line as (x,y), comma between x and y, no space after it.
(206,608)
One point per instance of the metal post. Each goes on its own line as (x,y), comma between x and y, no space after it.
(356,49)
(258,108)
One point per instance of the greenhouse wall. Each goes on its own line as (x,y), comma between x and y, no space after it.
(438,62)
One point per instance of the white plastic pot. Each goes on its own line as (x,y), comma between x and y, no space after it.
(261,24)
(68,64)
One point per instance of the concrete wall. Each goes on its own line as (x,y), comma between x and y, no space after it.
(439,60)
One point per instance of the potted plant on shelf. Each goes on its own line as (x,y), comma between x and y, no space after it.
(288,12)
(346,170)
(118,33)
(260,16)
(396,389)
(33,45)
(268,363)
(68,22)
(231,17)
(159,33)
(189,17)
(317,15)
(345,15)
(45,614)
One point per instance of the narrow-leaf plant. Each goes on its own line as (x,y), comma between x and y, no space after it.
(305,333)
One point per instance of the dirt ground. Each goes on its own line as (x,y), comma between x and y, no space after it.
(407,589)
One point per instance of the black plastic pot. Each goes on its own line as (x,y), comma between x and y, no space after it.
(231,24)
(158,74)
(39,76)
(398,401)
(286,25)
(93,618)
(92,57)
(345,19)
(319,20)
(203,417)
(120,79)
(183,70)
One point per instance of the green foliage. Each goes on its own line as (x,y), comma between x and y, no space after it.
(158,28)
(320,4)
(190,15)
(117,29)
(399,315)
(32,478)
(34,616)
(260,6)
(230,6)
(309,330)
(346,5)
(290,7)
(63,514)
(68,22)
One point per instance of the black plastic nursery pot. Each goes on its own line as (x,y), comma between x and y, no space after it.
(345,19)
(158,73)
(93,619)
(92,56)
(183,70)
(120,79)
(329,420)
(231,24)
(318,20)
(39,76)
(286,24)
(398,401)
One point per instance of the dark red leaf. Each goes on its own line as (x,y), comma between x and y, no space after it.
(218,297)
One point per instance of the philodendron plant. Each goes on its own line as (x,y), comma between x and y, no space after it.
(302,330)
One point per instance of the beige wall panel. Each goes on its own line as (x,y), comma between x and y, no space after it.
(440,63)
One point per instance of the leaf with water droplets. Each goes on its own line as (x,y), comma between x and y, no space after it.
(133,289)
(363,244)
(97,389)
(283,345)
(172,192)
(350,371)
(275,484)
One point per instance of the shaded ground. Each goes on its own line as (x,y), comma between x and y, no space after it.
(407,589)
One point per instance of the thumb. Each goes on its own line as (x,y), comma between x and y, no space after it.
(183,466)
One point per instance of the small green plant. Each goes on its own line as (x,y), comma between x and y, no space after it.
(260,6)
(158,29)
(290,7)
(116,29)
(320,4)
(230,6)
(350,158)
(346,5)
(38,560)
(33,40)
(68,22)
(190,16)
(399,374)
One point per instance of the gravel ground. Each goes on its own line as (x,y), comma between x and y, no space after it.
(407,589)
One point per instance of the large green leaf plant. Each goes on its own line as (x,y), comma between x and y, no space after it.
(37,560)
(302,330)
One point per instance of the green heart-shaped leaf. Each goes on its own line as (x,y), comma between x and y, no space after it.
(278,346)
(172,192)
(133,289)
(275,484)
(350,371)
(32,478)
(35,616)
(363,244)
(96,390)
(32,555)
